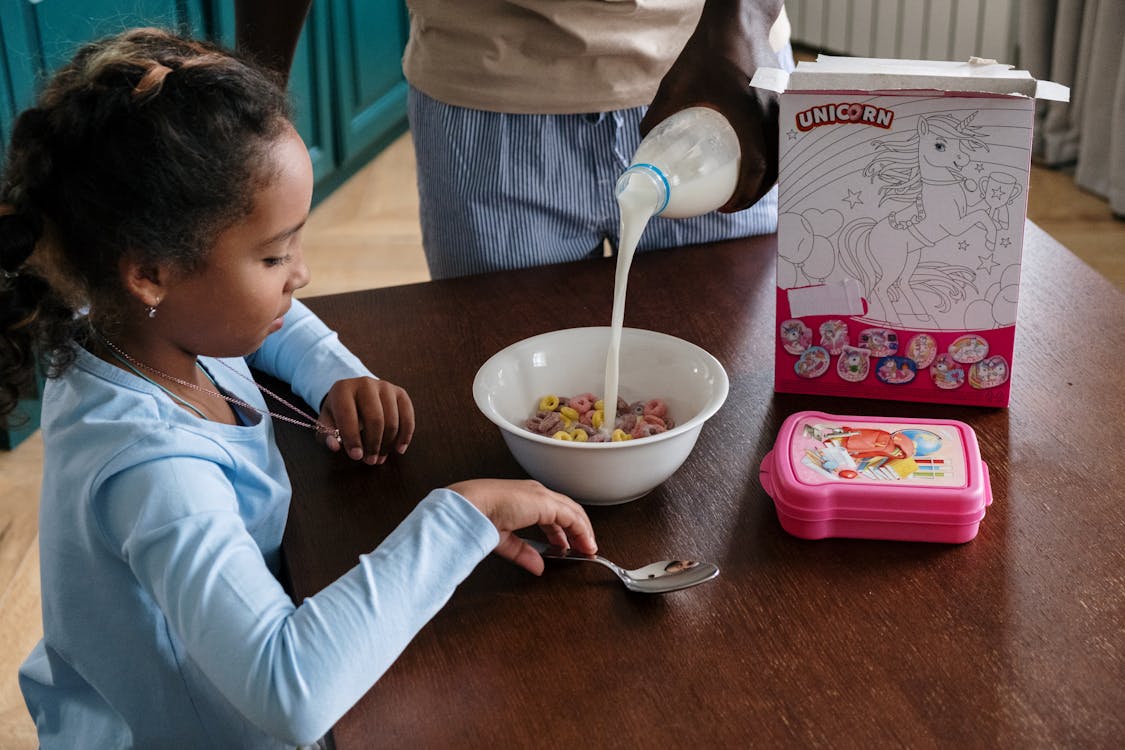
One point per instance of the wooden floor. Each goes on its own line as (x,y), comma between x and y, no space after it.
(366,235)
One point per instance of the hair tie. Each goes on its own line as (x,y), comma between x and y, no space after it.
(18,235)
(151,82)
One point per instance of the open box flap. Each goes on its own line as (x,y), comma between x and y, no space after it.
(977,75)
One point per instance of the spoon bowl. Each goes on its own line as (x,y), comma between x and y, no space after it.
(654,578)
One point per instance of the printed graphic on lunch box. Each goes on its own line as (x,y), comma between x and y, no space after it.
(920,215)
(923,455)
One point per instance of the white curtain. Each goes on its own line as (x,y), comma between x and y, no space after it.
(1079,43)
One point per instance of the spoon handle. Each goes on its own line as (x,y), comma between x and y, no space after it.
(553,552)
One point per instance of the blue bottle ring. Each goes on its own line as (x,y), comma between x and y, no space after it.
(667,188)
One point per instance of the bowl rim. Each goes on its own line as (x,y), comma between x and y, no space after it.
(716,401)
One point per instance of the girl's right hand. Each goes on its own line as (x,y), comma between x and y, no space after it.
(513,504)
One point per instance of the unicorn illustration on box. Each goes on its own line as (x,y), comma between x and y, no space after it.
(923,173)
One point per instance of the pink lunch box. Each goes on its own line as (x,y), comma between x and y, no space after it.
(877,478)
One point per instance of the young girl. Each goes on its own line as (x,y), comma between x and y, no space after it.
(150,240)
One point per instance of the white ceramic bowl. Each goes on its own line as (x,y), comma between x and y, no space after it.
(508,387)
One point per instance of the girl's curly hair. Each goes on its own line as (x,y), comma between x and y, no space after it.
(147,145)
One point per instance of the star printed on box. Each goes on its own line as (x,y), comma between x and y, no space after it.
(852,198)
(1005,241)
(792,134)
(963,245)
(987,263)
(979,167)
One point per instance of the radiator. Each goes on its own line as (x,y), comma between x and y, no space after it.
(912,29)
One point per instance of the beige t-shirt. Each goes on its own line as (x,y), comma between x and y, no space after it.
(549,56)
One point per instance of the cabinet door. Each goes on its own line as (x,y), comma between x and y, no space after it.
(371,91)
(21,59)
(310,85)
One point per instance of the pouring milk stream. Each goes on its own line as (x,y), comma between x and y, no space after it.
(686,166)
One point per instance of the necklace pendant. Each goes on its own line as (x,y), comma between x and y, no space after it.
(332,432)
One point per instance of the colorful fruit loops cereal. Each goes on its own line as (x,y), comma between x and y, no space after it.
(580,418)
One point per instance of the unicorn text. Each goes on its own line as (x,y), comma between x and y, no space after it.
(838,114)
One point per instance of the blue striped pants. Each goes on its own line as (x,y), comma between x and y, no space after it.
(499,191)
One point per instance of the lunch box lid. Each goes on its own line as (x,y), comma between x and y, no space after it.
(825,466)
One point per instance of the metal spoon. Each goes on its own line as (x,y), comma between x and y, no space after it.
(655,578)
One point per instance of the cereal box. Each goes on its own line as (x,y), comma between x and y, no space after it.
(902,199)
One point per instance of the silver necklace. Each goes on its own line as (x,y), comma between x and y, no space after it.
(308,421)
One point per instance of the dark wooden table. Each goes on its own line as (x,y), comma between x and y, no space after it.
(1014,639)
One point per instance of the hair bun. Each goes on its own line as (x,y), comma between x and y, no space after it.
(18,235)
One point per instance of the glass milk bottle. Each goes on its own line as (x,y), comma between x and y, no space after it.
(686,166)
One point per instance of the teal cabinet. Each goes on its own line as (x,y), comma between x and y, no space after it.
(311,85)
(60,30)
(7,104)
(368,58)
(348,92)
(22,57)
(38,36)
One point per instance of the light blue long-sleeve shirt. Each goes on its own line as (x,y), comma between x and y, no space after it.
(160,534)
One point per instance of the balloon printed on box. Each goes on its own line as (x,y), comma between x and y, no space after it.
(811,257)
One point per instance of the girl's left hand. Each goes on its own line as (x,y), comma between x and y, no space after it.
(373,417)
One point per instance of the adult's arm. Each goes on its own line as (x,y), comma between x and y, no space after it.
(268,30)
(714,69)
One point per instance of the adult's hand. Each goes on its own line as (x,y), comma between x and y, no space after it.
(730,42)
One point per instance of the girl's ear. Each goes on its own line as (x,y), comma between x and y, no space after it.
(147,282)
